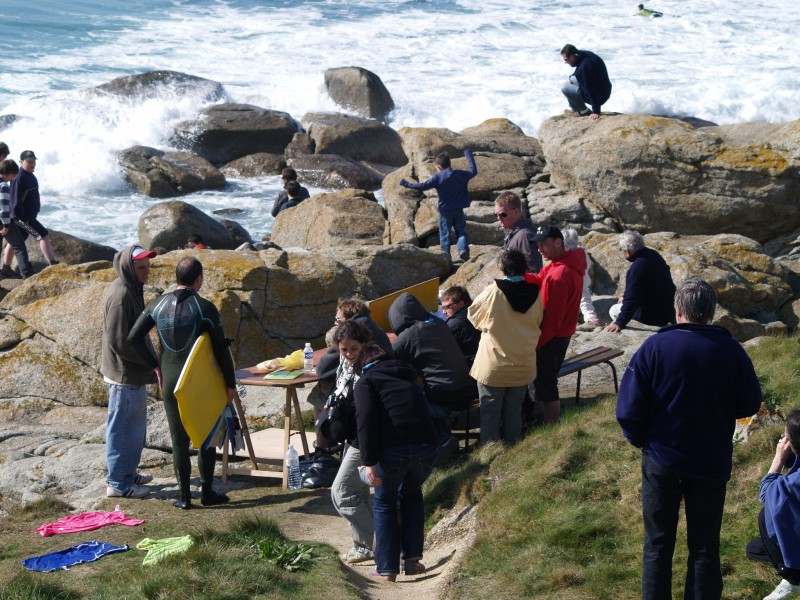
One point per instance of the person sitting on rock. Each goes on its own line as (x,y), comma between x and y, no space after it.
(287,175)
(649,290)
(587,307)
(452,187)
(195,242)
(294,194)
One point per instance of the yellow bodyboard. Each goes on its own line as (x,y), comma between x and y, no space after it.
(201,391)
(426,292)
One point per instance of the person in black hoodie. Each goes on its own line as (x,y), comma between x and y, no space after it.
(398,448)
(425,342)
(588,83)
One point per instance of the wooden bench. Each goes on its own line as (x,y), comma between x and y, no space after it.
(590,358)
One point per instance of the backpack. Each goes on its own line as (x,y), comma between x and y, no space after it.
(336,417)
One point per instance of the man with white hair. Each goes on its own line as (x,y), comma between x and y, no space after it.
(649,289)
(678,401)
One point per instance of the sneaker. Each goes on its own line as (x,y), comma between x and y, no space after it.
(784,590)
(357,555)
(135,491)
(9,273)
(143,478)
(54,262)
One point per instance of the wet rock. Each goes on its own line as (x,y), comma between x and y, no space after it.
(355,138)
(254,165)
(162,84)
(360,91)
(336,172)
(169,224)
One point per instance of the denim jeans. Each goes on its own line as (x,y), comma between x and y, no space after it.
(125,433)
(403,470)
(352,500)
(573,94)
(704,499)
(501,405)
(454,219)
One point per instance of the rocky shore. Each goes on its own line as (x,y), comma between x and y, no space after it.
(717,202)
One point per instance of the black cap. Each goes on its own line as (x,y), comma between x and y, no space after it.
(27,155)
(547,231)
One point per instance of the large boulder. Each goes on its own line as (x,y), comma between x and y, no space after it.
(68,249)
(225,132)
(335,172)
(255,165)
(161,174)
(360,91)
(356,138)
(349,217)
(655,174)
(749,283)
(172,84)
(401,208)
(168,225)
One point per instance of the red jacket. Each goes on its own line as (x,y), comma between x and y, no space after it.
(561,283)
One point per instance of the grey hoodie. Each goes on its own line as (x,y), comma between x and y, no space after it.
(124,303)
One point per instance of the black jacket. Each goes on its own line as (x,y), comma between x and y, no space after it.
(593,82)
(390,410)
(465,333)
(425,343)
(649,292)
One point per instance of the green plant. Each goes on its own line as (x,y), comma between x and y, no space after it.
(292,557)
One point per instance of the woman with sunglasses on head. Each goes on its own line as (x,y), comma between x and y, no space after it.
(398,448)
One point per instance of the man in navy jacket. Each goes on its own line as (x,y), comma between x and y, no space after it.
(588,83)
(649,290)
(452,187)
(678,401)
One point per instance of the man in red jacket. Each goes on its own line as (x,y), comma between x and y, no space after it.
(561,285)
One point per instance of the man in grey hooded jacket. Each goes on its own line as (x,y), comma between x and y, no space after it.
(127,375)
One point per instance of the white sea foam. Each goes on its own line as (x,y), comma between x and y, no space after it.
(446,63)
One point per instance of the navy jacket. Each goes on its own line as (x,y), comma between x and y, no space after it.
(593,81)
(25,202)
(681,395)
(649,292)
(450,185)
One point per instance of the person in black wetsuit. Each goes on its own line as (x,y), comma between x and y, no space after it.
(181,317)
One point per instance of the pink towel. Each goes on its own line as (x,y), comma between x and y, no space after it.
(87,522)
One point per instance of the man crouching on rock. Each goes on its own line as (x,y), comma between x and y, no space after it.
(180,317)
(126,374)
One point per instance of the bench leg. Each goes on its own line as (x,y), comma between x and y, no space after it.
(578,389)
(614,372)
(466,432)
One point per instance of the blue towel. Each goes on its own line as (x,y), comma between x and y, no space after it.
(74,555)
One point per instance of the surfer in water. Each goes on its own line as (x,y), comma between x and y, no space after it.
(180,317)
(646,12)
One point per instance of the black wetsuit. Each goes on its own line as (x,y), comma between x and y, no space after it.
(181,317)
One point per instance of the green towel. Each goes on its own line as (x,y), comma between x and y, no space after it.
(158,549)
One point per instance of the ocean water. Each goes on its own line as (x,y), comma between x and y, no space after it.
(446,63)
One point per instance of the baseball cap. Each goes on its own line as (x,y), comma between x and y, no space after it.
(27,155)
(547,231)
(138,253)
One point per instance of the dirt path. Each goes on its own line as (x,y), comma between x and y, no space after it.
(317,520)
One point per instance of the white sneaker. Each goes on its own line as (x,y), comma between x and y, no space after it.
(358,555)
(142,478)
(135,491)
(784,590)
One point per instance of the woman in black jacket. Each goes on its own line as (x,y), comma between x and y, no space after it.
(398,449)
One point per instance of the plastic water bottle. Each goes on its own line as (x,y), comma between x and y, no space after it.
(293,468)
(308,358)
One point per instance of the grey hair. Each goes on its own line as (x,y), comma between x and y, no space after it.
(631,241)
(696,300)
(570,238)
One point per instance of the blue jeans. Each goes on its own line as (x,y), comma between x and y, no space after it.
(704,499)
(454,219)
(403,470)
(125,433)
(573,94)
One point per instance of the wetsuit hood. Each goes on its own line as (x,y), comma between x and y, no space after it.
(405,311)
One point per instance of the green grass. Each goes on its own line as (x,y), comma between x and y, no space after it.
(777,362)
(226,562)
(563,519)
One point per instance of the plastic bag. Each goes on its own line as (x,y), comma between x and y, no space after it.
(290,362)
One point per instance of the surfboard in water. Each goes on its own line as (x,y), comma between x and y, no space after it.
(201,391)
